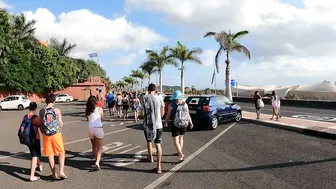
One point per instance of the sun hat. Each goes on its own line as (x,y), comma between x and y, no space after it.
(177,95)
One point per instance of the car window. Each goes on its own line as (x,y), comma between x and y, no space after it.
(16,98)
(219,100)
(200,101)
(227,100)
(7,99)
(24,98)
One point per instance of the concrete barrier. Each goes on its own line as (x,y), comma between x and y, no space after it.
(319,104)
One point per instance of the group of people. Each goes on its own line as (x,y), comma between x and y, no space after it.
(259,104)
(49,122)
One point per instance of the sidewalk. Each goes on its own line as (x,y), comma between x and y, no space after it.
(317,128)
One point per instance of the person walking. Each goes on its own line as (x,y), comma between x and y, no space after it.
(126,105)
(178,112)
(95,116)
(111,103)
(135,106)
(153,110)
(52,125)
(119,104)
(275,101)
(258,103)
(30,136)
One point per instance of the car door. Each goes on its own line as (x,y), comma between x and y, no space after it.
(231,112)
(221,108)
(5,103)
(15,102)
(59,98)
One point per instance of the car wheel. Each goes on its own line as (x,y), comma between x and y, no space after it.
(68,100)
(238,117)
(20,107)
(214,123)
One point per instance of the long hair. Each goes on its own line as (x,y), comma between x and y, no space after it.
(90,105)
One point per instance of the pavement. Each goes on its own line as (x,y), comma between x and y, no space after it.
(296,112)
(235,155)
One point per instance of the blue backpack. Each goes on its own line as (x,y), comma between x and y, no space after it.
(26,131)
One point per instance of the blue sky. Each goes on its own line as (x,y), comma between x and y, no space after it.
(120,31)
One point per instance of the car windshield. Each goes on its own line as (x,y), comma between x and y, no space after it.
(24,98)
(227,100)
(200,101)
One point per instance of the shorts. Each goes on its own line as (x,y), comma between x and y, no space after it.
(35,149)
(96,132)
(111,105)
(158,138)
(53,145)
(178,131)
(118,107)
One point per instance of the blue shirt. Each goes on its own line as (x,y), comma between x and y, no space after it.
(110,98)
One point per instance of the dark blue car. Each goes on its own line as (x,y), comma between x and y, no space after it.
(212,110)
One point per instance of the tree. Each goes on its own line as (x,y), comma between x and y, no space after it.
(63,48)
(121,85)
(228,43)
(22,28)
(148,67)
(182,53)
(139,75)
(160,59)
(130,81)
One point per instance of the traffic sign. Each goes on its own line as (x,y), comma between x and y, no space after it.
(233,82)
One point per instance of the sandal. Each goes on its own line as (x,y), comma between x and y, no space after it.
(97,167)
(157,171)
(40,167)
(63,177)
(34,180)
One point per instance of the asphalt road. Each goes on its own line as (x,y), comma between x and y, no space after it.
(238,155)
(301,113)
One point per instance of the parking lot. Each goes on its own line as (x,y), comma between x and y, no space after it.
(235,155)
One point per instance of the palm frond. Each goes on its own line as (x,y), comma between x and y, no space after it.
(218,54)
(209,34)
(240,34)
(242,48)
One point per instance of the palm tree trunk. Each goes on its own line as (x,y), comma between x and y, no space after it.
(182,77)
(141,85)
(149,79)
(160,82)
(227,78)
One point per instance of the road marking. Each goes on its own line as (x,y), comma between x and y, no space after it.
(315,118)
(71,122)
(192,156)
(72,142)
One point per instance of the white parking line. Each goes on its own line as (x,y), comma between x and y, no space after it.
(71,142)
(192,156)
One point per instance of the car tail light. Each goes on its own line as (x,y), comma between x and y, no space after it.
(206,108)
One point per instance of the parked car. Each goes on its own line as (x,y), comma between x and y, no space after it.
(19,102)
(212,110)
(63,98)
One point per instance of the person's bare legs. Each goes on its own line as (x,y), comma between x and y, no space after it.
(33,165)
(93,148)
(52,166)
(159,157)
(181,140)
(178,147)
(150,151)
(99,149)
(136,116)
(61,161)
(273,113)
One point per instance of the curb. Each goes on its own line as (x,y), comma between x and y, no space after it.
(292,127)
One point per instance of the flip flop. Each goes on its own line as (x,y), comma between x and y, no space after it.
(97,167)
(157,171)
(37,178)
(63,177)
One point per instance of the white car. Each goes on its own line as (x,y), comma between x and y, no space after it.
(19,102)
(63,98)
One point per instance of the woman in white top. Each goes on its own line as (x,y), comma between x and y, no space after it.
(275,105)
(95,131)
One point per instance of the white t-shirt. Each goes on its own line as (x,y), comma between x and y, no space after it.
(152,105)
(95,119)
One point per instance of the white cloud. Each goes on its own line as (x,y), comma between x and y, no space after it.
(289,43)
(208,57)
(127,59)
(5,5)
(94,33)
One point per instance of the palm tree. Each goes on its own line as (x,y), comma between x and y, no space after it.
(182,53)
(193,89)
(23,29)
(130,81)
(139,75)
(228,43)
(148,67)
(120,84)
(160,60)
(63,48)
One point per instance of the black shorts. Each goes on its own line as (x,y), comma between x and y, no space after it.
(158,138)
(35,149)
(111,105)
(177,131)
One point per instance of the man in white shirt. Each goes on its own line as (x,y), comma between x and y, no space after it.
(153,111)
